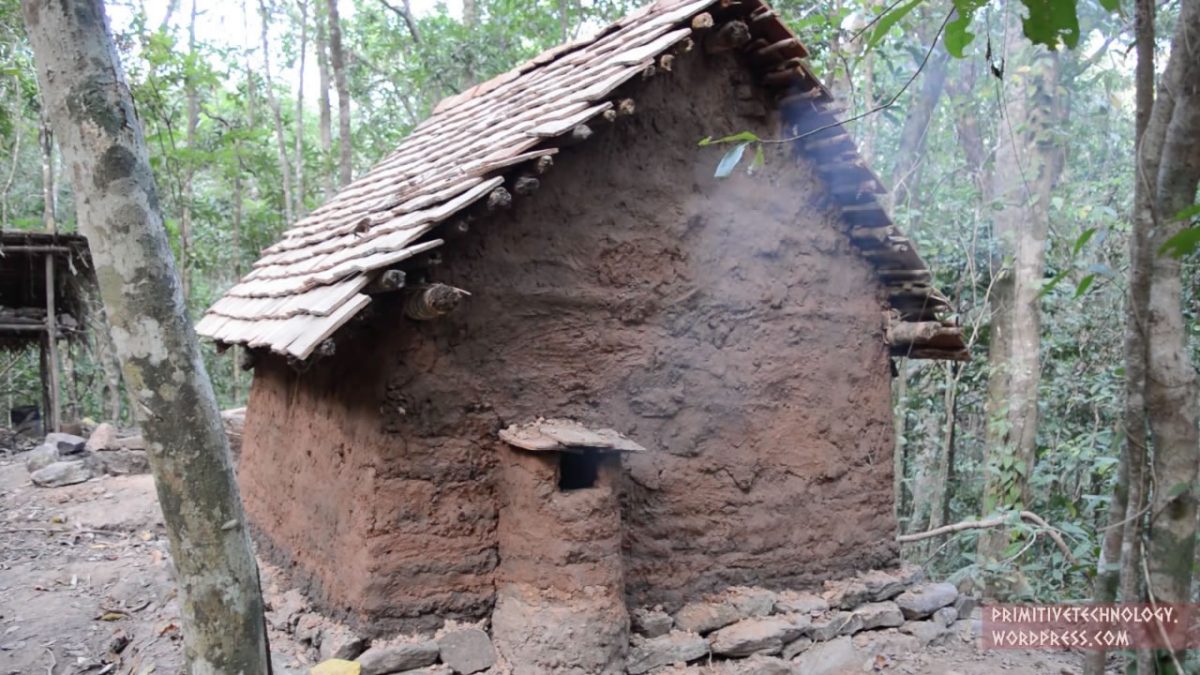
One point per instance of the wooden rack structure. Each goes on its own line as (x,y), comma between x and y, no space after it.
(43,277)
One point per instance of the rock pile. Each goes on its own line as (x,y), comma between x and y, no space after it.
(753,631)
(740,631)
(66,459)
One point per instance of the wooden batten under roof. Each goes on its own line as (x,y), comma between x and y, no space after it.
(470,154)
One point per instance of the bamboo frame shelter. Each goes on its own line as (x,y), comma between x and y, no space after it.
(32,264)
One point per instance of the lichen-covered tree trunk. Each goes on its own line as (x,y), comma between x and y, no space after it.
(337,58)
(1028,163)
(90,108)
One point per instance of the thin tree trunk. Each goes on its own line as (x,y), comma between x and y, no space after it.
(1028,164)
(337,57)
(12,172)
(298,209)
(325,122)
(916,126)
(285,171)
(50,222)
(89,104)
(1172,136)
(238,210)
(189,171)
(1118,569)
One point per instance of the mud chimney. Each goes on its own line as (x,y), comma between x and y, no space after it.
(560,591)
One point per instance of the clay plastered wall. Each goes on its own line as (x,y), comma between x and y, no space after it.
(724,324)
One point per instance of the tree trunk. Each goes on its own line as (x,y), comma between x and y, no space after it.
(327,187)
(189,171)
(285,171)
(1028,164)
(337,57)
(89,105)
(1171,167)
(916,124)
(298,209)
(50,378)
(1118,571)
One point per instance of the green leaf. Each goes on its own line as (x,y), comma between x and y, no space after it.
(1084,284)
(890,19)
(730,161)
(1049,285)
(1111,5)
(1051,22)
(740,137)
(958,34)
(1177,490)
(760,158)
(1181,244)
(1082,240)
(1188,213)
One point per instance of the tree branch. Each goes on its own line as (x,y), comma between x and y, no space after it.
(987,523)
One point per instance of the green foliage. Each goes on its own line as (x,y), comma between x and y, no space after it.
(1184,242)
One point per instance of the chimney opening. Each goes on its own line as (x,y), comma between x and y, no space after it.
(577,470)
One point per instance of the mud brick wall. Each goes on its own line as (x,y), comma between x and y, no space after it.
(726,325)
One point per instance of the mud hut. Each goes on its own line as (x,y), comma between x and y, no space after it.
(540,360)
(44,278)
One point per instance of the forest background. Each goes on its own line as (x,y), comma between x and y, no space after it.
(257,110)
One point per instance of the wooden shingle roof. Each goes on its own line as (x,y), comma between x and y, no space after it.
(311,282)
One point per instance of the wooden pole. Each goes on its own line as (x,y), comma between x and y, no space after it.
(52,347)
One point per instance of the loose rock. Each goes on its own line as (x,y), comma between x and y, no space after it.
(339,642)
(758,665)
(946,616)
(41,457)
(757,636)
(879,615)
(123,462)
(829,658)
(61,473)
(882,585)
(846,593)
(651,622)
(750,602)
(67,444)
(467,650)
(104,437)
(336,667)
(674,647)
(395,657)
(705,617)
(922,601)
(928,632)
(286,612)
(795,647)
(792,602)
(965,606)
(832,625)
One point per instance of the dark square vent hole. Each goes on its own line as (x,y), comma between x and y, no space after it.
(577,470)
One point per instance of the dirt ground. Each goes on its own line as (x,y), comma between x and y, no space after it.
(86,588)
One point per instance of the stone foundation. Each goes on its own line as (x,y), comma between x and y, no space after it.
(742,631)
